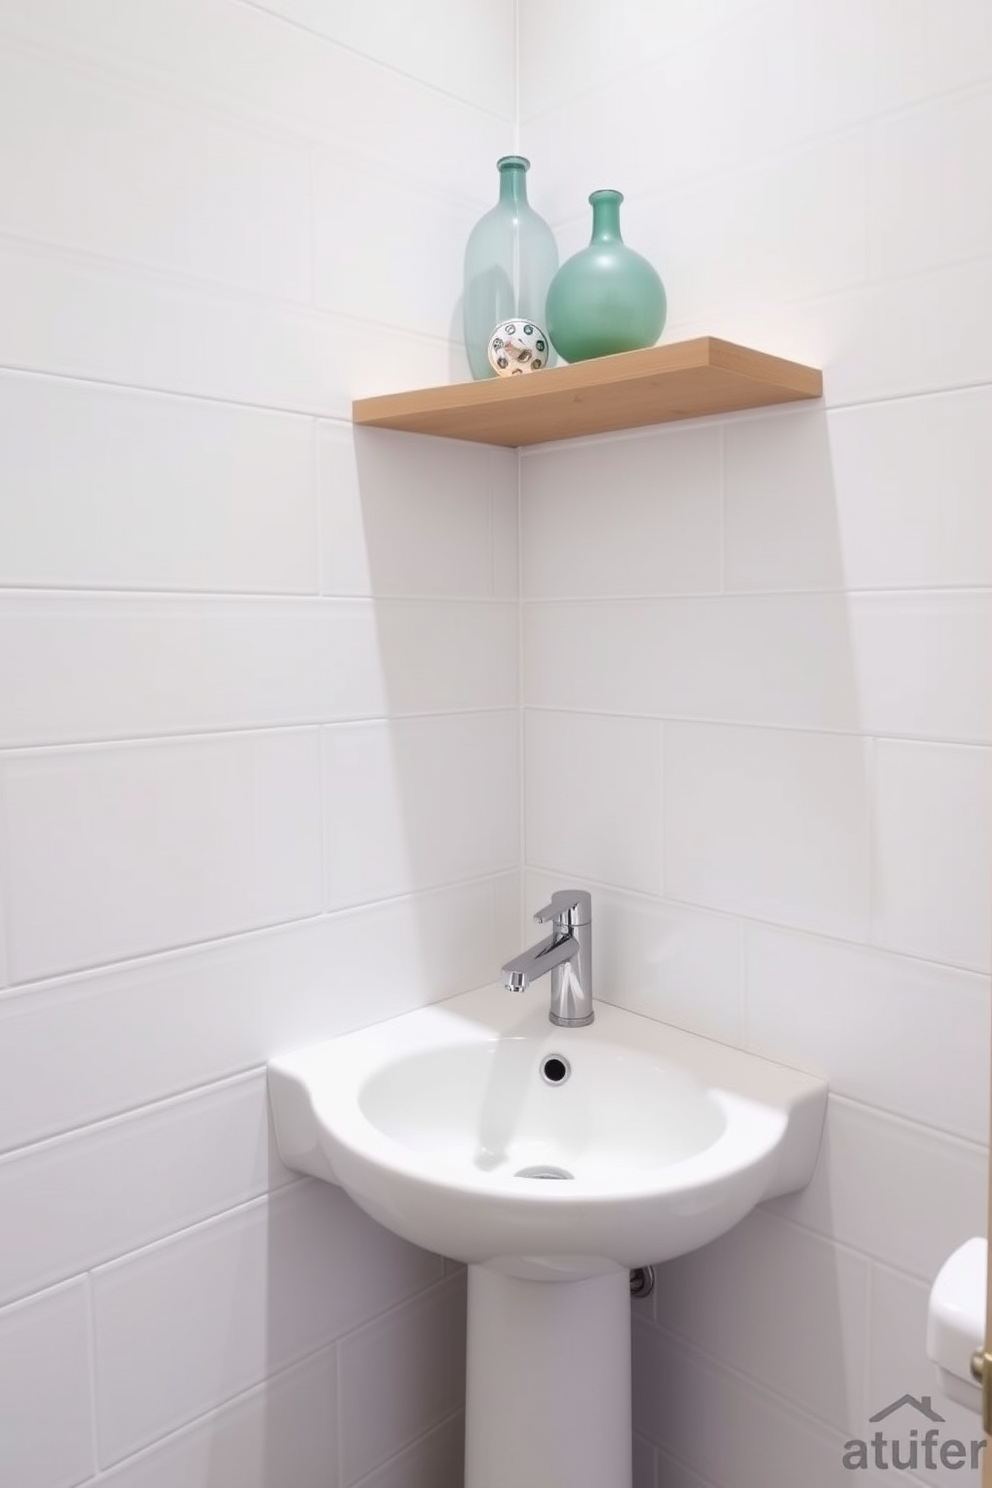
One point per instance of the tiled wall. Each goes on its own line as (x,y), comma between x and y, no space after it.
(758,672)
(253,675)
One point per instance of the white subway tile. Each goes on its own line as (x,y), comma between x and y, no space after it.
(284,1432)
(469,54)
(437,1458)
(78,1049)
(115,851)
(45,1387)
(74,669)
(679,1397)
(419,802)
(266,71)
(418,288)
(580,505)
(187,1324)
(781,523)
(114,489)
(739,1298)
(86,1198)
(400,1376)
(924,209)
(149,182)
(911,480)
(783,229)
(168,333)
(932,892)
(898,1366)
(769,824)
(904,1035)
(436,656)
(592,791)
(782,660)
(925,664)
(406,515)
(899,1192)
(662,960)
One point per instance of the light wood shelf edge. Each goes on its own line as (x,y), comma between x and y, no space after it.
(680,380)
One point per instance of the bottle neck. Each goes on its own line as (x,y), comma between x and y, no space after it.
(606,216)
(513,179)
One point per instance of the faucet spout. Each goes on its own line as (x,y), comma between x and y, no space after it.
(566,953)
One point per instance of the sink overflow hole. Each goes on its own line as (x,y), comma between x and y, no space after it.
(555,1070)
(543,1170)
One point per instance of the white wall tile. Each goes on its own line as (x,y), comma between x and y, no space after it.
(770,824)
(262,69)
(924,209)
(78,1049)
(401,1375)
(932,893)
(45,1387)
(592,793)
(267,1285)
(889,495)
(581,504)
(75,669)
(121,850)
(284,1432)
(419,802)
(911,479)
(402,514)
(892,1189)
(739,1298)
(360,272)
(925,664)
(438,1457)
(174,335)
(149,182)
(99,1192)
(900,1034)
(783,229)
(470,54)
(898,1366)
(118,489)
(780,660)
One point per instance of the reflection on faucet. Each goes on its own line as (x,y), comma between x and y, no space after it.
(566,953)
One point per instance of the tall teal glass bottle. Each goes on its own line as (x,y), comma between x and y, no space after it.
(605,298)
(510,260)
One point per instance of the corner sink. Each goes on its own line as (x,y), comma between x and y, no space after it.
(475,1128)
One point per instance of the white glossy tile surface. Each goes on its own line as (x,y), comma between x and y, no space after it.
(418,803)
(772,824)
(267,1285)
(119,489)
(44,1380)
(122,850)
(592,796)
(933,858)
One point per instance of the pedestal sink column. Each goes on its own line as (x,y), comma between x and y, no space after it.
(548,1386)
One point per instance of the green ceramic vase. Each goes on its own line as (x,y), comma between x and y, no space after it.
(606,298)
(510,259)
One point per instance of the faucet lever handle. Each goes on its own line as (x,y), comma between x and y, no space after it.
(568,909)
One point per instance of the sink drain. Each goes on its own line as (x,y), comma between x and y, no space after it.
(543,1170)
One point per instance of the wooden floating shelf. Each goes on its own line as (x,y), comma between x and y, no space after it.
(682,380)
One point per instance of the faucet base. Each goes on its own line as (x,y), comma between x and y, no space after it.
(560,1022)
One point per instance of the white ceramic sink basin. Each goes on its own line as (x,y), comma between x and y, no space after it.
(449,1126)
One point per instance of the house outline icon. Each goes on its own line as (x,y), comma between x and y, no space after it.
(924,1405)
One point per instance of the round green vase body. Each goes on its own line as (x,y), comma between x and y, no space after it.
(606,298)
(510,259)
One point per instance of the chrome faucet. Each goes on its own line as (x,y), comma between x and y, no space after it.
(566,953)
